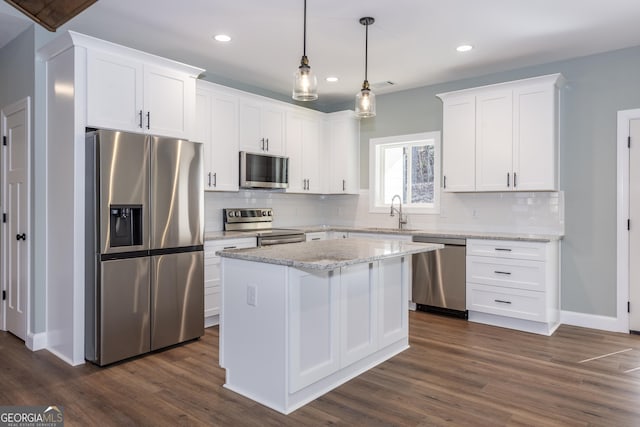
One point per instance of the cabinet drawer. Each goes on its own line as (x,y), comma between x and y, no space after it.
(517,303)
(534,251)
(505,272)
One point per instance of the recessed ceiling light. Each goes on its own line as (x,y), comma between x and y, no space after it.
(464,48)
(331,79)
(222,38)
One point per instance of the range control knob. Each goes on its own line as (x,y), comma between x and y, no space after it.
(264,213)
(270,213)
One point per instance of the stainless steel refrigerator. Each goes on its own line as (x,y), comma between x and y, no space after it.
(144,244)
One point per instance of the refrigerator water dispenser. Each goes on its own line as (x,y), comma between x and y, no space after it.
(125,225)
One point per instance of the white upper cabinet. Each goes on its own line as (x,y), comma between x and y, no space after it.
(304,137)
(129,94)
(511,129)
(494,141)
(534,138)
(262,126)
(459,151)
(217,129)
(343,139)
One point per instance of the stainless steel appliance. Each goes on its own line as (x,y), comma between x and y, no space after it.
(439,277)
(144,244)
(263,171)
(259,221)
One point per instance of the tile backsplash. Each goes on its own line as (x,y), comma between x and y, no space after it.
(522,212)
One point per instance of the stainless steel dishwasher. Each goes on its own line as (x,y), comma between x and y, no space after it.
(439,277)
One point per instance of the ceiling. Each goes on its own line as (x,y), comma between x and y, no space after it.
(412,43)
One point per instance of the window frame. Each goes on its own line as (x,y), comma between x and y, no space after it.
(375,190)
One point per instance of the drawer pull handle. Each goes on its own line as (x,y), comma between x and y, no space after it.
(503,249)
(230,247)
(315,238)
(503,272)
(502,301)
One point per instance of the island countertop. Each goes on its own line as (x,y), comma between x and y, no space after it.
(329,254)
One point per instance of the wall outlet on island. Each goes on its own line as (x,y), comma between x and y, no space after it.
(252,295)
(474,212)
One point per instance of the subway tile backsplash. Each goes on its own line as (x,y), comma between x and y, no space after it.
(521,212)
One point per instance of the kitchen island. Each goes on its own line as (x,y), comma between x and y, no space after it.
(298,320)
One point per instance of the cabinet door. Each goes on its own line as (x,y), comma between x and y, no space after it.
(459,144)
(359,316)
(272,125)
(313,327)
(169,102)
(535,144)
(114,92)
(344,157)
(202,133)
(297,181)
(393,306)
(224,171)
(494,144)
(250,132)
(312,159)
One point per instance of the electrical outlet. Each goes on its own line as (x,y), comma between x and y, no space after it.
(252,295)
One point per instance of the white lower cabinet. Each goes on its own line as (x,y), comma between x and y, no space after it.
(340,318)
(317,235)
(288,335)
(514,284)
(212,276)
(380,236)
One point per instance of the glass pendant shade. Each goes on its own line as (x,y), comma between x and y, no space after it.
(365,102)
(305,83)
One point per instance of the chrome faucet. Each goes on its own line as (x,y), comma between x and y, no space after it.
(402,219)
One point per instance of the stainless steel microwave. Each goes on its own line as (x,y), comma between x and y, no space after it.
(263,171)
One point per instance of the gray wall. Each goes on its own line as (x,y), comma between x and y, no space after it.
(597,87)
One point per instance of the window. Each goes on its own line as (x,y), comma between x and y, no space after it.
(406,165)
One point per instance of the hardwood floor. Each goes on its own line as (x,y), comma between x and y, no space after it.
(455,373)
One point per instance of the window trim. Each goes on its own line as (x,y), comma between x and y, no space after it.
(374,187)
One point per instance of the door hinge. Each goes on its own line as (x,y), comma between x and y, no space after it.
(4,295)
(4,217)
(628,306)
(628,224)
(629,141)
(4,140)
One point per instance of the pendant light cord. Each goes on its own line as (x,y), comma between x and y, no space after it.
(366,49)
(304,38)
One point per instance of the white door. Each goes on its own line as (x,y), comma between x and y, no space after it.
(15,231)
(634,232)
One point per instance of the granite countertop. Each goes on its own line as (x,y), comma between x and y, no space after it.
(531,237)
(329,254)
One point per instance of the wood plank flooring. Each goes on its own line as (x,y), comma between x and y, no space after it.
(455,373)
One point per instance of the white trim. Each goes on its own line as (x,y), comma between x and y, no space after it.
(622,250)
(405,139)
(36,341)
(593,321)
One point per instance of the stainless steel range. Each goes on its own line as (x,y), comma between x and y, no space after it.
(259,221)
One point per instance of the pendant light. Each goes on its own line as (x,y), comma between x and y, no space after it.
(365,99)
(305,84)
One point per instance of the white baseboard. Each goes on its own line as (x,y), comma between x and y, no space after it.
(593,321)
(211,321)
(37,341)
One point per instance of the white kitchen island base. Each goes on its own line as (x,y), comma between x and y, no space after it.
(289,335)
